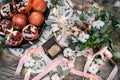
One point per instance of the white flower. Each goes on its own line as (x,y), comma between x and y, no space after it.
(40,64)
(83,37)
(98,24)
(117,3)
(76,33)
(55,27)
(90,19)
(93,69)
(53,14)
(46,78)
(55,77)
(68,52)
(79,12)
(29,62)
(49,4)
(64,66)
(63,42)
(74,40)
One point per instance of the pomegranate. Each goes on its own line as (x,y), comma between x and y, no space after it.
(19,21)
(30,32)
(36,18)
(39,5)
(24,6)
(15,38)
(1,30)
(8,10)
(5,27)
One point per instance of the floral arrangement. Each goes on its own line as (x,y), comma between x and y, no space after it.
(78,33)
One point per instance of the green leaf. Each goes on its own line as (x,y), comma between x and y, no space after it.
(53,1)
(104,2)
(59,69)
(99,61)
(118,25)
(116,55)
(98,40)
(48,22)
(107,15)
(24,71)
(36,58)
(96,34)
(61,3)
(51,73)
(100,73)
(66,72)
(34,67)
(83,47)
(1,38)
(104,29)
(94,10)
(83,16)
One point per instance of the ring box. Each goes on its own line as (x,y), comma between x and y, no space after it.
(52,48)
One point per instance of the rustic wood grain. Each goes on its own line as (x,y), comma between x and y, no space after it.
(8,61)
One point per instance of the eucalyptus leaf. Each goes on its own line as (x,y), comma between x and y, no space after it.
(34,67)
(53,1)
(59,70)
(107,15)
(104,2)
(61,3)
(94,10)
(99,61)
(24,71)
(100,73)
(116,55)
(96,34)
(66,72)
(83,16)
(104,29)
(83,47)
(105,35)
(1,38)
(118,25)
(48,22)
(98,40)
(111,46)
(109,23)
(36,58)
(51,73)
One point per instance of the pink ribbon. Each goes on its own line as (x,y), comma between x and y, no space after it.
(113,72)
(58,61)
(89,61)
(103,52)
(79,73)
(53,65)
(76,29)
(21,62)
(27,75)
(89,56)
(20,65)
